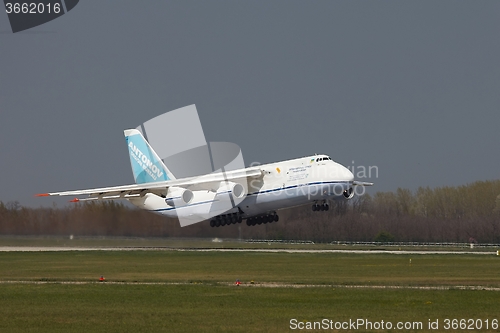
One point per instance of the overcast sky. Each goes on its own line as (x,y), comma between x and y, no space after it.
(412,87)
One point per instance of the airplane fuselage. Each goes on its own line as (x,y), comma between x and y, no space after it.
(283,185)
(228,195)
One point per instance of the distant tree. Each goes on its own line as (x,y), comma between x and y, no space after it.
(384,237)
(405,201)
(13,205)
(361,203)
(497,205)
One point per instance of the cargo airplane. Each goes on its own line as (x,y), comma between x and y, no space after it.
(254,194)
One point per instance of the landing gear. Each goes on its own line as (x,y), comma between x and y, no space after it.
(263,219)
(227,219)
(320,207)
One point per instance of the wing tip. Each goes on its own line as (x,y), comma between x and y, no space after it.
(358,183)
(42,195)
(75,200)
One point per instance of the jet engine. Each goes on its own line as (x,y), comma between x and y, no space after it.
(178,196)
(348,194)
(235,189)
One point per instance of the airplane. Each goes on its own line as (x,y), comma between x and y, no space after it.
(254,194)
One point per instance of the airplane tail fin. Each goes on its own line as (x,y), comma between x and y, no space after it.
(146,164)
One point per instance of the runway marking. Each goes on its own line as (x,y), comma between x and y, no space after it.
(256,285)
(367,251)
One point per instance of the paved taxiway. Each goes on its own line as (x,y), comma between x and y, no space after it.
(259,285)
(65,249)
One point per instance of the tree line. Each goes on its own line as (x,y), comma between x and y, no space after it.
(468,213)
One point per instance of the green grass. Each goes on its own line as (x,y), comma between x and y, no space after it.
(203,304)
(139,308)
(295,268)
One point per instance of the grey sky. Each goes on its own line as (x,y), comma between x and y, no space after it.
(412,87)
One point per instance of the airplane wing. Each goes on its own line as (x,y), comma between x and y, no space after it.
(208,182)
(356,183)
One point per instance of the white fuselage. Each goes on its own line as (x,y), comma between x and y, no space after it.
(228,195)
(283,185)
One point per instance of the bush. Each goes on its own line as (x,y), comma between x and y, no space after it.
(384,237)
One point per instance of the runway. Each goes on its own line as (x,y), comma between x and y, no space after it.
(256,285)
(368,251)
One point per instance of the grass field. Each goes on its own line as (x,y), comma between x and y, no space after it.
(207,301)
(139,308)
(214,267)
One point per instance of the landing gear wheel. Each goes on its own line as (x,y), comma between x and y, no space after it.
(314,208)
(327,207)
(212,223)
(276,218)
(217,223)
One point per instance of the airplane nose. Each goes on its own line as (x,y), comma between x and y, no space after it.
(347,174)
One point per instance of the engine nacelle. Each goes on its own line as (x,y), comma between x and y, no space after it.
(235,189)
(178,196)
(349,193)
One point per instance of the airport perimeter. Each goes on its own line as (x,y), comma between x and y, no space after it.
(166,287)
